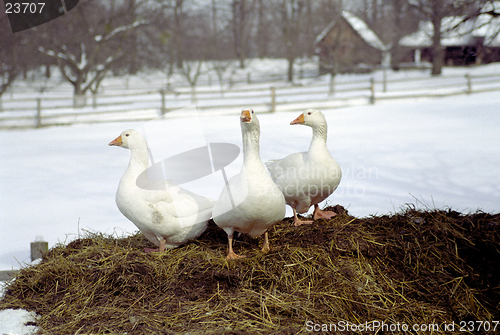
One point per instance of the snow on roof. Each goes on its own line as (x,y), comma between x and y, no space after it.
(455,32)
(360,27)
(324,32)
(493,6)
(364,31)
(489,28)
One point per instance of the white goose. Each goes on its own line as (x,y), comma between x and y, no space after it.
(166,214)
(307,178)
(251,202)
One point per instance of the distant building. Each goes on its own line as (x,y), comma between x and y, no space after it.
(474,41)
(347,44)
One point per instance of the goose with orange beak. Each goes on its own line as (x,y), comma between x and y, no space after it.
(308,178)
(165,213)
(250,203)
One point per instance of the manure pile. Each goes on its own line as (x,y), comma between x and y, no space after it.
(425,268)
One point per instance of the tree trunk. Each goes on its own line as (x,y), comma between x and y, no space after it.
(4,85)
(79,98)
(437,49)
(239,19)
(178,34)
(47,70)
(291,60)
(261,32)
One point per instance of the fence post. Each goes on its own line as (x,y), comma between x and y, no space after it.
(194,100)
(38,249)
(469,83)
(331,88)
(249,79)
(273,99)
(162,110)
(38,113)
(94,100)
(385,78)
(372,89)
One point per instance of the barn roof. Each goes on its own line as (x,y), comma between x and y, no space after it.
(456,32)
(360,27)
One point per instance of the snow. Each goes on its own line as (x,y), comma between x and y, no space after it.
(457,33)
(324,32)
(16,321)
(493,6)
(364,31)
(120,29)
(83,58)
(57,182)
(13,322)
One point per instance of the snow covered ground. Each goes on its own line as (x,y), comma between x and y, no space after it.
(137,97)
(439,152)
(14,322)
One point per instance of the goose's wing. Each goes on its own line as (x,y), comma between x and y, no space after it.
(180,203)
(284,170)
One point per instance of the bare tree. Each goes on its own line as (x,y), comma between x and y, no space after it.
(403,21)
(435,11)
(220,67)
(289,15)
(191,70)
(177,30)
(9,70)
(16,52)
(240,24)
(263,24)
(89,44)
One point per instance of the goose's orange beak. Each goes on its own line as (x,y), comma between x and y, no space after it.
(299,120)
(246,116)
(117,141)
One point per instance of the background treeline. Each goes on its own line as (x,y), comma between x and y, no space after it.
(103,37)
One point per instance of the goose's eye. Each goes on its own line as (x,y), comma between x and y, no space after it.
(309,113)
(252,111)
(127,135)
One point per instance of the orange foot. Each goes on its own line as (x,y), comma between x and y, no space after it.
(319,214)
(265,245)
(161,248)
(298,222)
(231,255)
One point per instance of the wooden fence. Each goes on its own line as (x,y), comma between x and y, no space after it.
(141,105)
(37,249)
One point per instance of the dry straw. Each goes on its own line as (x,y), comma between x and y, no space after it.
(414,267)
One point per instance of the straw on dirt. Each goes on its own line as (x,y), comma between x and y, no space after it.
(419,267)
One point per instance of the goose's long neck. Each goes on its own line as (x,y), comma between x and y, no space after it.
(251,146)
(139,159)
(318,142)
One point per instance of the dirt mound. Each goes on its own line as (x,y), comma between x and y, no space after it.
(416,267)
